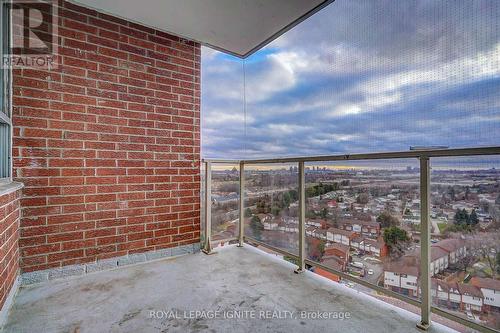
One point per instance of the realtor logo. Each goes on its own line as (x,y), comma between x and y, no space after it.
(30,28)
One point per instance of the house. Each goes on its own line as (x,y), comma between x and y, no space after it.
(446,252)
(490,289)
(337,249)
(377,247)
(446,294)
(454,247)
(402,276)
(335,262)
(332,204)
(357,241)
(439,260)
(366,228)
(289,226)
(310,230)
(270,223)
(472,297)
(332,263)
(340,236)
(315,223)
(320,233)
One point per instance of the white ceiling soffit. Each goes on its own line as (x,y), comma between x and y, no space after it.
(238,27)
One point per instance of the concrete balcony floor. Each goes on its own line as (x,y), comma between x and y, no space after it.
(234,279)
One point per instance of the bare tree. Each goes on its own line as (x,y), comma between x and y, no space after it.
(467,261)
(487,246)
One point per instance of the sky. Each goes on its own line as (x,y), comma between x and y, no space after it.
(360,76)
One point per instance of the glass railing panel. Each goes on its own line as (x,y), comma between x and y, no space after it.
(465,217)
(202,204)
(271,205)
(358,222)
(225,202)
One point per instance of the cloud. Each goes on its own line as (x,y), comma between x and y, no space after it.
(360,76)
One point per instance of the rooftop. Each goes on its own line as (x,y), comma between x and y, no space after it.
(341,232)
(486,283)
(234,279)
(337,246)
(405,265)
(449,244)
(467,289)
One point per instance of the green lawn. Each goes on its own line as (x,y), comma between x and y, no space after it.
(442,226)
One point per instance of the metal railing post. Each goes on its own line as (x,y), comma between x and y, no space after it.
(425,241)
(207,249)
(241,233)
(302,219)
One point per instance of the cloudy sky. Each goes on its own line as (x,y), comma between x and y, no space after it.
(360,76)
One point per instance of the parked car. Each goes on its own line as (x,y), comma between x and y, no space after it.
(370,272)
(357,264)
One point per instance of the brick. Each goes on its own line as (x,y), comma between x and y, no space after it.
(105,147)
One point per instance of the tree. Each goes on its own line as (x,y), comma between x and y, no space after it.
(451,192)
(393,235)
(466,261)
(498,263)
(363,198)
(248,212)
(488,247)
(256,226)
(324,213)
(473,219)
(287,199)
(386,220)
(461,217)
(396,239)
(316,248)
(294,195)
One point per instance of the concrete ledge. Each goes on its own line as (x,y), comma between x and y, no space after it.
(7,187)
(9,301)
(105,264)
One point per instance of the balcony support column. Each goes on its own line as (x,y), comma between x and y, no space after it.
(207,248)
(241,231)
(302,219)
(425,241)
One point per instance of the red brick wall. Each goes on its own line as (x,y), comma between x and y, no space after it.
(108,145)
(9,237)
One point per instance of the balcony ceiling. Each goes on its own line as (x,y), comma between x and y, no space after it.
(238,27)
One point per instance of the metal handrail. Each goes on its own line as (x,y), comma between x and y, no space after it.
(455,152)
(424,157)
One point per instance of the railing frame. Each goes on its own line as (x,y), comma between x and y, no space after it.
(425,243)
(241,230)
(423,156)
(207,248)
(302,219)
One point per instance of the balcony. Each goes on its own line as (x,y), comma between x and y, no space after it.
(249,283)
(313,213)
(245,282)
(105,198)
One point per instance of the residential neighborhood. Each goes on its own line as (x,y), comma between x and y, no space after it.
(366,223)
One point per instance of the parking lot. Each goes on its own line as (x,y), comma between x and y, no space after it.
(370,263)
